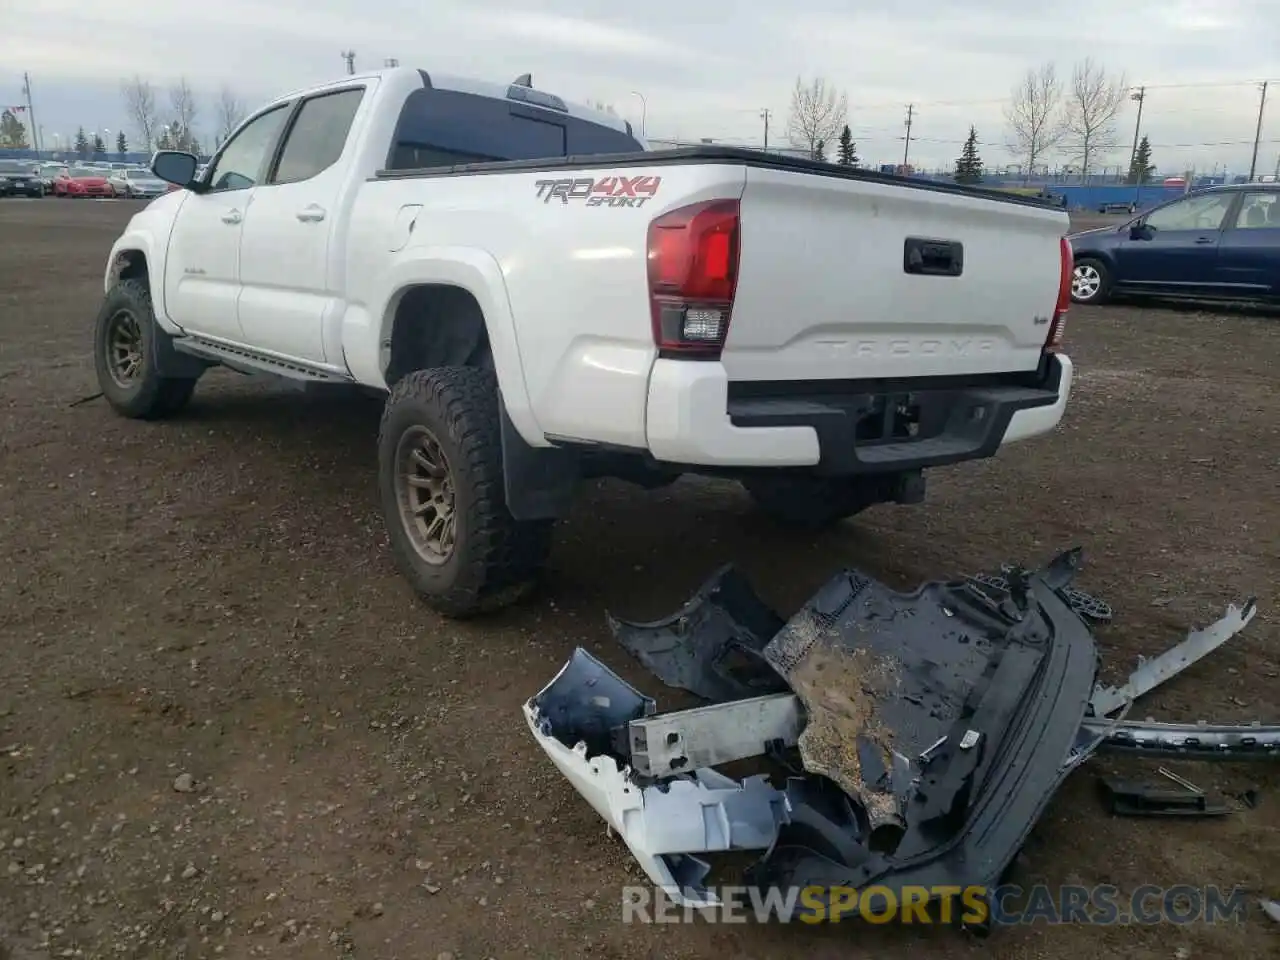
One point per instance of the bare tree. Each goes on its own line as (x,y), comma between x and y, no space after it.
(140,102)
(818,113)
(1034,115)
(1093,103)
(182,102)
(230,110)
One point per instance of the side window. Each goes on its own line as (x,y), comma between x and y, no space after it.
(318,135)
(241,162)
(1193,213)
(1259,211)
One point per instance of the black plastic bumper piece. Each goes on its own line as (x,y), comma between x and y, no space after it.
(885,430)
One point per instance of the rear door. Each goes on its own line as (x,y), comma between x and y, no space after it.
(841,277)
(287,283)
(202,269)
(1178,251)
(1249,253)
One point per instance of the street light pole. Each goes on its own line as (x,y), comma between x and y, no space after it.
(644,110)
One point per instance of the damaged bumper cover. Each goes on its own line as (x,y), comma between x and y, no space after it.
(932,728)
(574,719)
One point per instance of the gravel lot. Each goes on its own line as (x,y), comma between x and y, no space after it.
(208,604)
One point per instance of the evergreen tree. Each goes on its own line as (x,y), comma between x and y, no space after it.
(82,144)
(99,148)
(969,164)
(13,132)
(820,150)
(848,155)
(1140,170)
(122,145)
(165,140)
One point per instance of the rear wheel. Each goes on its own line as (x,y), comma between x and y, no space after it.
(1090,281)
(442,489)
(125,337)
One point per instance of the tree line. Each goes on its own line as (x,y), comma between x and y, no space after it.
(1076,117)
(1044,115)
(167,119)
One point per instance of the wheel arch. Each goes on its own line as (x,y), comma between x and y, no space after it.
(465,290)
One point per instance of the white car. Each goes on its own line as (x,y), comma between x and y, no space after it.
(544,300)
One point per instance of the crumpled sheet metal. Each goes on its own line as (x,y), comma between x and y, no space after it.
(663,824)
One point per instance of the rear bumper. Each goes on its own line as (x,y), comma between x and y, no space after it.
(694,418)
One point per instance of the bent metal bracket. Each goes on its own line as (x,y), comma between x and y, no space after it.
(920,735)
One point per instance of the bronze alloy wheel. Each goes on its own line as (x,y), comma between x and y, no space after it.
(125,359)
(424,490)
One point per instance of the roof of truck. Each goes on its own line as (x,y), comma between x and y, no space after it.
(483,88)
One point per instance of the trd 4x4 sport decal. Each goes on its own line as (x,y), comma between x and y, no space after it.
(605,192)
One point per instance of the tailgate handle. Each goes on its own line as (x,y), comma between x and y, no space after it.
(933,258)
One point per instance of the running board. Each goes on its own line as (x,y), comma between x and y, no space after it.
(251,361)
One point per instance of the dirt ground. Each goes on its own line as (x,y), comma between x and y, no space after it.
(211,599)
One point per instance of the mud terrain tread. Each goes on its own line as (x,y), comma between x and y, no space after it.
(502,555)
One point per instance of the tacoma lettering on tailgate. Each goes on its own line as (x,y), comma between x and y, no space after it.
(605,192)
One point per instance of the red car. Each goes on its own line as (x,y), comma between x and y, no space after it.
(82,182)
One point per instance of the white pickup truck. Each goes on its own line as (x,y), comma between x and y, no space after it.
(543,299)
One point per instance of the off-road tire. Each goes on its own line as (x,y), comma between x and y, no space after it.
(495,558)
(151,396)
(812,503)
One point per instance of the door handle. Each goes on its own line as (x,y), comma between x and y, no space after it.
(311,214)
(1206,239)
(231,216)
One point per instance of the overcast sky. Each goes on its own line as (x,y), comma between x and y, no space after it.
(705,70)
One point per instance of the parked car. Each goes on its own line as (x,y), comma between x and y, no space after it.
(19,178)
(571,305)
(1218,243)
(84,182)
(49,172)
(137,183)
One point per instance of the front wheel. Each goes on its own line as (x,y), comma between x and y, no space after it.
(124,354)
(441,484)
(1089,281)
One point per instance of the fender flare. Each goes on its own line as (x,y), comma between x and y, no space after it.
(470,269)
(144,242)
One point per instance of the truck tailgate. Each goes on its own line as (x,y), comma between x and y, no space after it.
(824,290)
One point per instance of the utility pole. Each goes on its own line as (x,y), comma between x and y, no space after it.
(1141,97)
(31,114)
(764,115)
(350,57)
(906,149)
(1257,136)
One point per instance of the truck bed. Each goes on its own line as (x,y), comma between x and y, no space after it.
(711,153)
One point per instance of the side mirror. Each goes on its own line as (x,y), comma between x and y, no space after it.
(175,166)
(1139,231)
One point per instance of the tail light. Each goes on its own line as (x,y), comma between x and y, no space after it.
(1053,342)
(693,274)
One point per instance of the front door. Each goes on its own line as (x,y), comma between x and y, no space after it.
(286,284)
(202,272)
(1178,248)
